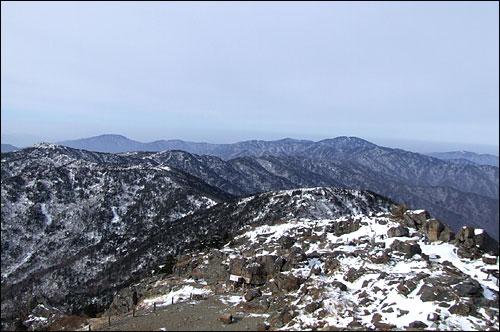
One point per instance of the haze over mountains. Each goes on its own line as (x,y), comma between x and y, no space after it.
(466,156)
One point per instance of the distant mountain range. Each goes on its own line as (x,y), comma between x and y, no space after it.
(466,157)
(255,148)
(8,148)
(285,147)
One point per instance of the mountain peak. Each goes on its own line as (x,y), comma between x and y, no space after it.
(46,145)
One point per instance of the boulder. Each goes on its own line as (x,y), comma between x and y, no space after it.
(447,234)
(226,318)
(466,232)
(418,325)
(286,242)
(339,285)
(252,294)
(406,287)
(399,210)
(254,274)
(488,259)
(462,309)
(313,306)
(262,326)
(433,228)
(469,289)
(398,231)
(415,219)
(485,242)
(353,274)
(288,282)
(381,258)
(408,248)
(258,305)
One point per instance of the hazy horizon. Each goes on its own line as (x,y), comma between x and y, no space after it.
(414,75)
(410,145)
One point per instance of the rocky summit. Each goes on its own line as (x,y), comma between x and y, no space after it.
(364,269)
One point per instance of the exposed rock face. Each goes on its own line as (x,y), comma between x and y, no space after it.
(433,229)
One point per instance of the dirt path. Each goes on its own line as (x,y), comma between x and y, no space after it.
(186,316)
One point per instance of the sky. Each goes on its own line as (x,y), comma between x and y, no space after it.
(401,74)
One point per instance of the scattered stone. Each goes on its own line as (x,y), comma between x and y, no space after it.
(408,248)
(376,317)
(418,325)
(433,317)
(427,293)
(397,231)
(402,312)
(381,258)
(353,274)
(252,294)
(226,318)
(262,326)
(198,297)
(339,285)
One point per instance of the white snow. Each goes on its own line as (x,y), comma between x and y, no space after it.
(181,295)
(48,218)
(116,217)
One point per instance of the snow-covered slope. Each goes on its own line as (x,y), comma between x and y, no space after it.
(359,270)
(78,225)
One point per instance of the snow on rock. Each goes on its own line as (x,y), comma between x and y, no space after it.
(181,295)
(358,277)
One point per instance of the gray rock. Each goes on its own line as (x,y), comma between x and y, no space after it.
(492,260)
(433,229)
(447,234)
(286,242)
(469,289)
(418,325)
(252,294)
(397,231)
(313,306)
(339,285)
(354,274)
(226,318)
(408,248)
(462,309)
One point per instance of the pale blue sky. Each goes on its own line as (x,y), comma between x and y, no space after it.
(225,72)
